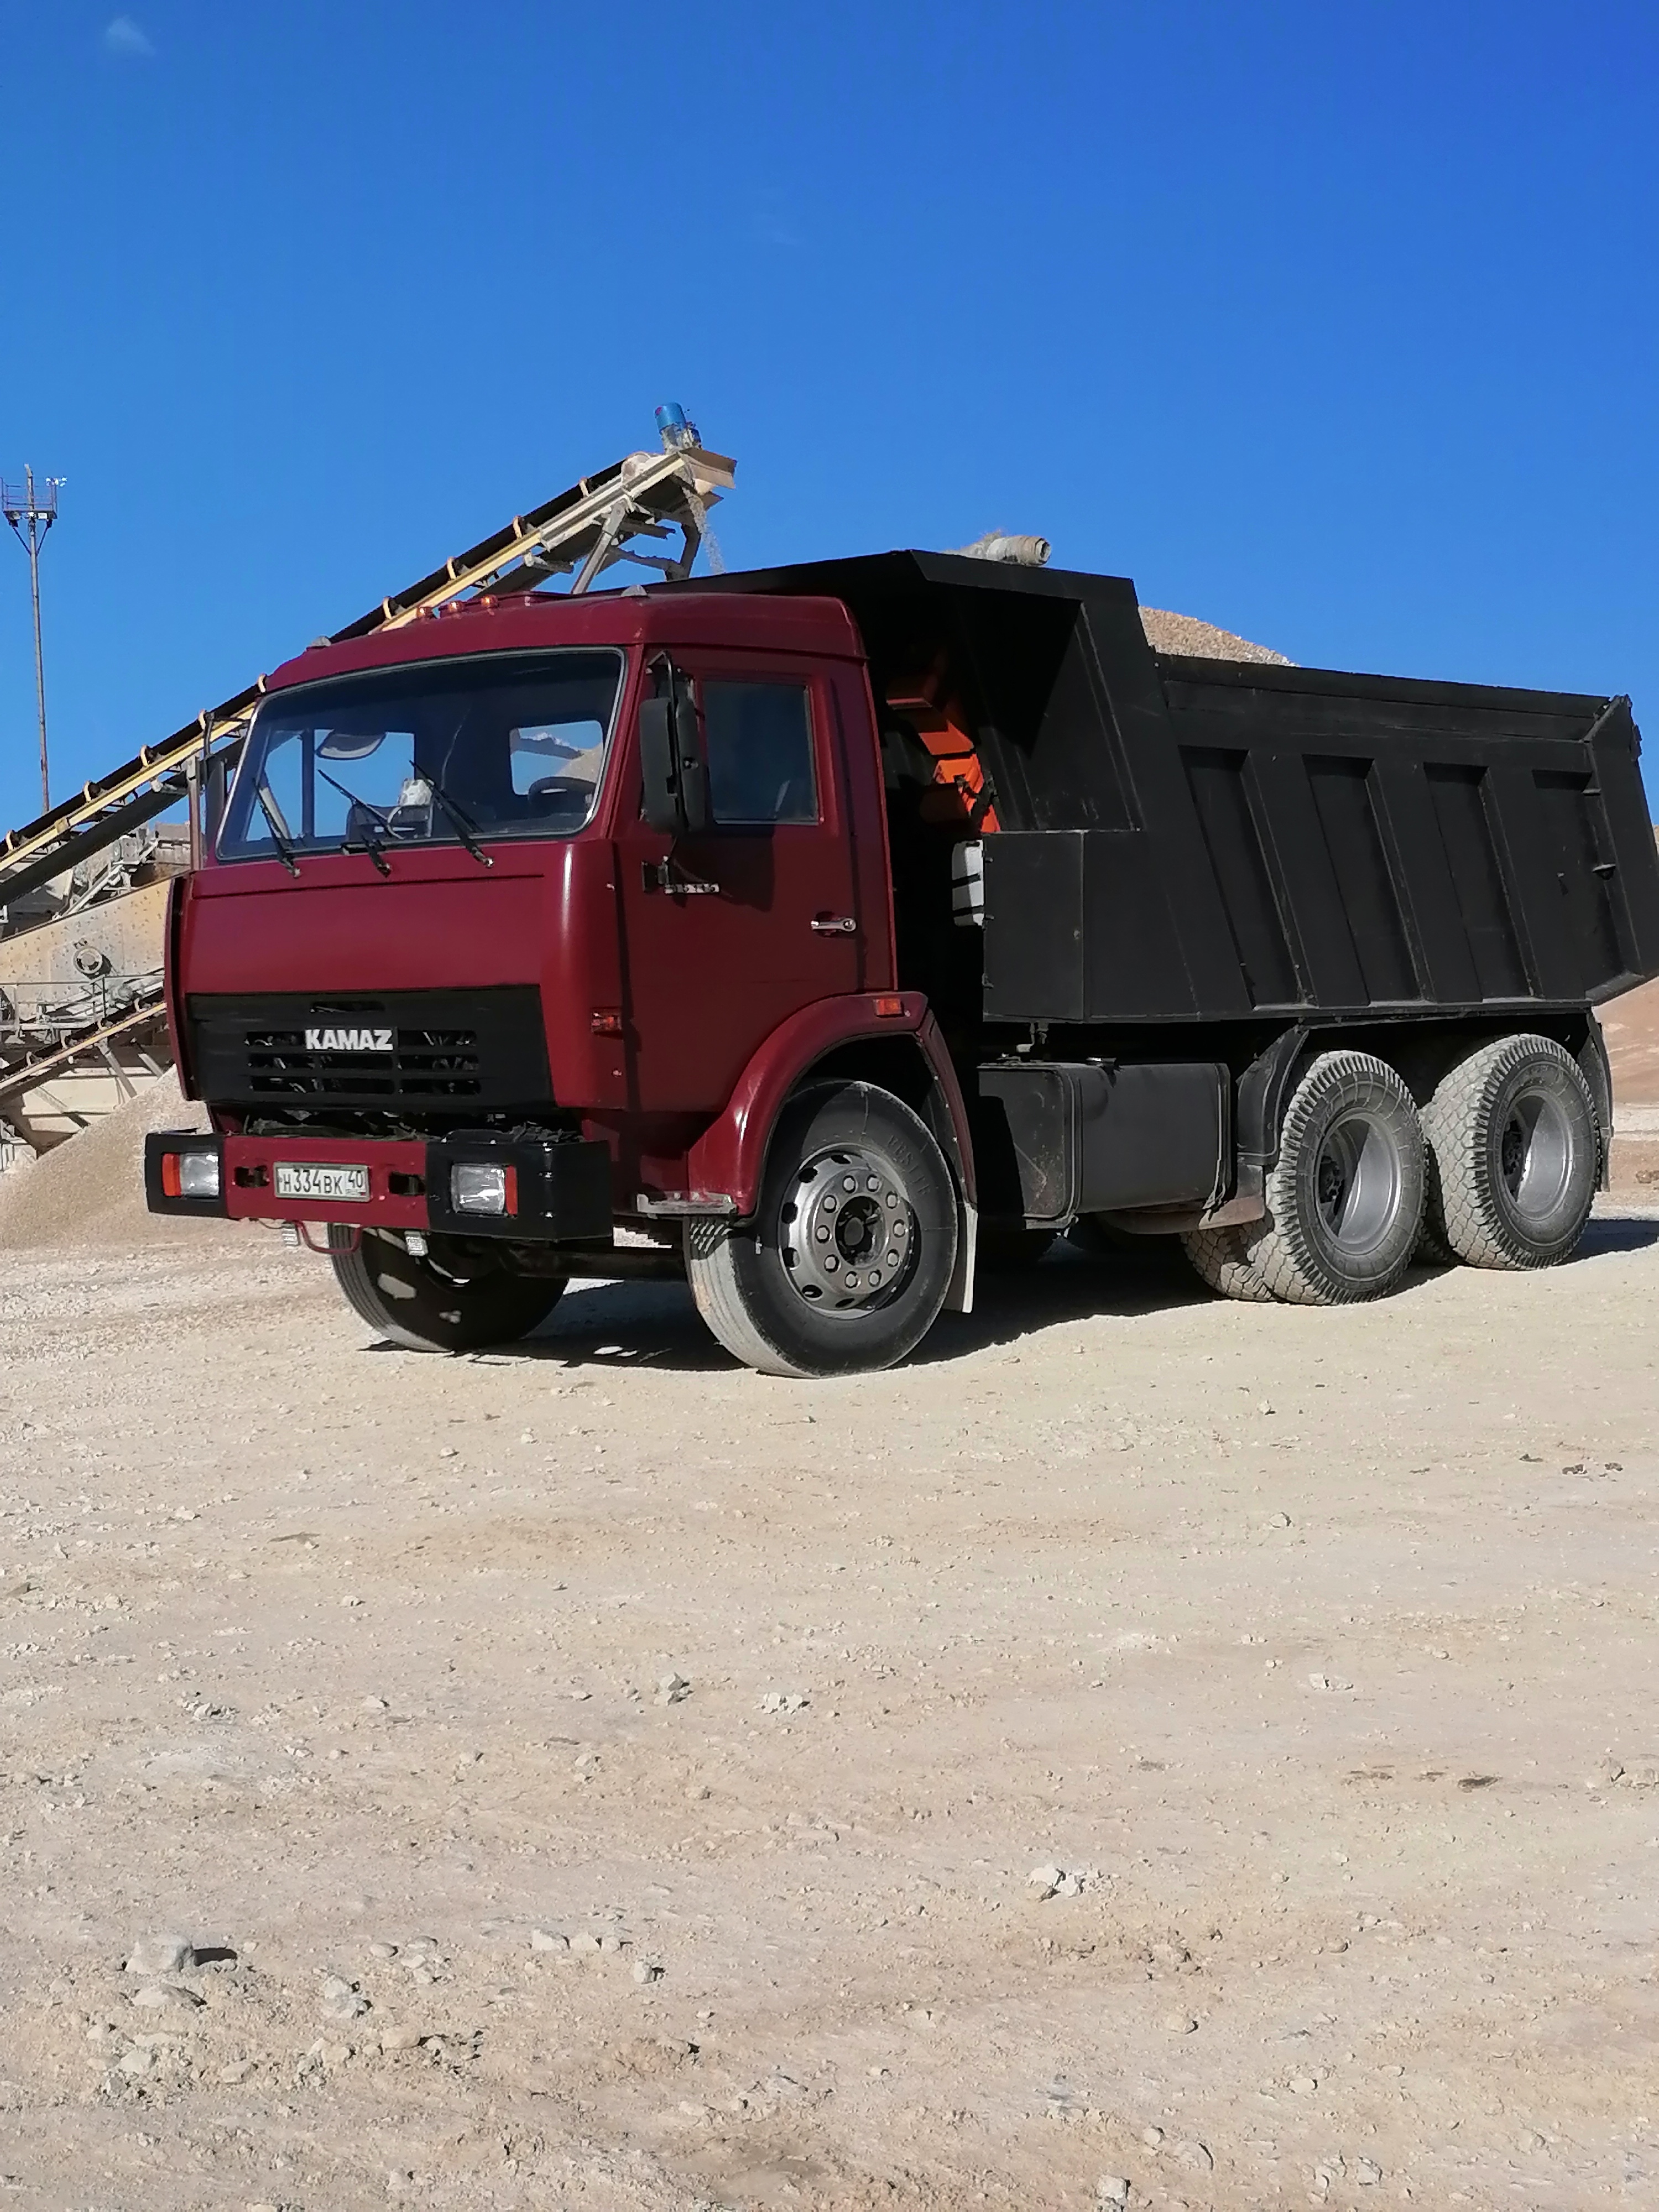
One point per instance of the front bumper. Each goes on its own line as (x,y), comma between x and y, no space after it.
(559,1192)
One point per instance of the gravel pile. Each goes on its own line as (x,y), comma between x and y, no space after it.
(1167,633)
(91,1190)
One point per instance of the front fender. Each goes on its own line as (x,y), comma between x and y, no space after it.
(730,1156)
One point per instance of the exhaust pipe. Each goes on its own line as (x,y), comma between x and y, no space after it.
(1019,552)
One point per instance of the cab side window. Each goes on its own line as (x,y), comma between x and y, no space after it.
(758,738)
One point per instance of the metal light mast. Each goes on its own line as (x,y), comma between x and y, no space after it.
(31,514)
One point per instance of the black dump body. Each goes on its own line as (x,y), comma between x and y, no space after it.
(1238,844)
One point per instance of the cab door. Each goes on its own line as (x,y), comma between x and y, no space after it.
(726,934)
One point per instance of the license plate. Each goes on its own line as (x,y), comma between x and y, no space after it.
(295,1182)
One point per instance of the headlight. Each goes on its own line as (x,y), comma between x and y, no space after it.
(481,1187)
(199,1174)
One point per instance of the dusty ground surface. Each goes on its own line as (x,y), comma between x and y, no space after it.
(1320,1644)
(596,1776)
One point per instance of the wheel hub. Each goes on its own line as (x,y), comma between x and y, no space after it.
(1356,1183)
(847,1231)
(1536,1154)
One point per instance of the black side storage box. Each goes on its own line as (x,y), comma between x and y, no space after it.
(1057,1139)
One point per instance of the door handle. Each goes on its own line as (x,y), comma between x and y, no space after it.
(833,924)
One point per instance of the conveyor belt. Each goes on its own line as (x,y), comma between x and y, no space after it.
(587,528)
(29,1074)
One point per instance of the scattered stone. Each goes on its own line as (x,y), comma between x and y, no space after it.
(237,2070)
(1045,1879)
(1152,2137)
(672,1689)
(647,1970)
(382,1950)
(784,1701)
(1367,2172)
(1304,2085)
(1111,2190)
(401,2039)
(157,1956)
(343,1999)
(545,1939)
(135,2062)
(1327,1682)
(1180,2023)
(166,1996)
(375,1705)
(583,1944)
(611,1943)
(1194,2156)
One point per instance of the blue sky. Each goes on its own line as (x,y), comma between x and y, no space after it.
(1334,324)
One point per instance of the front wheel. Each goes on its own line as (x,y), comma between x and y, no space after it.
(845,1266)
(449,1301)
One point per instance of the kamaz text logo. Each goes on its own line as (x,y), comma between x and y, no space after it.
(348,1040)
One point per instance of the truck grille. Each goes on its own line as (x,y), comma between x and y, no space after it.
(469,1051)
(422,1064)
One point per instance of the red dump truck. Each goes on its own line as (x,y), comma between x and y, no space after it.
(828,924)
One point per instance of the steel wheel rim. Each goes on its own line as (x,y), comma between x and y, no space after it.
(847,1232)
(1535,1154)
(1356,1183)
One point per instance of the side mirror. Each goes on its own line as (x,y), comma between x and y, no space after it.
(671,764)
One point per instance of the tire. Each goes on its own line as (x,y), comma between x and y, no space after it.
(1345,1201)
(1514,1151)
(1222,1258)
(1432,1249)
(786,1293)
(450,1301)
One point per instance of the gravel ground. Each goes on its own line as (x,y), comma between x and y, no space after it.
(597,1775)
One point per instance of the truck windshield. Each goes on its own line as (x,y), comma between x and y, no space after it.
(506,745)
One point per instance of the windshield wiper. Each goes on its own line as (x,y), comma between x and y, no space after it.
(463,829)
(372,846)
(278,834)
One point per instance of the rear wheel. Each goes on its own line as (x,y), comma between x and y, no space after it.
(1345,1201)
(1513,1154)
(1222,1258)
(846,1264)
(449,1301)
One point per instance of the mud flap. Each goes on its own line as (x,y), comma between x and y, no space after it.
(959,1299)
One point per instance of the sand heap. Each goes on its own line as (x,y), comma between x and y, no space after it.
(1167,633)
(91,1190)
